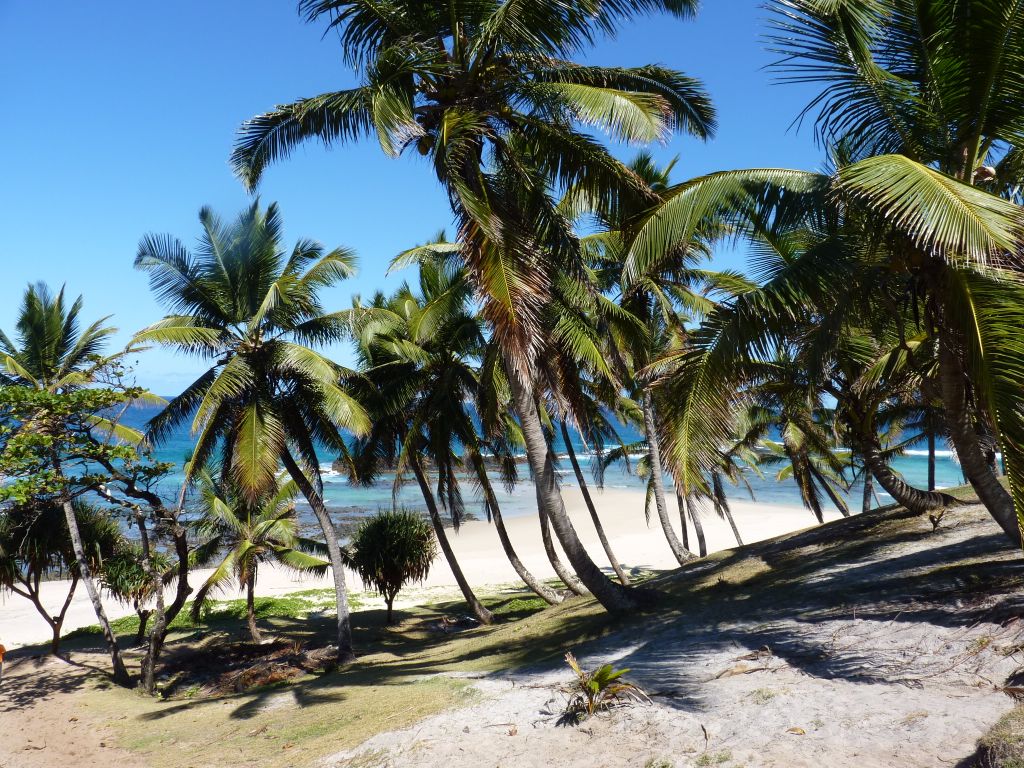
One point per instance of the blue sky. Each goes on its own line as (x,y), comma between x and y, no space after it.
(120,116)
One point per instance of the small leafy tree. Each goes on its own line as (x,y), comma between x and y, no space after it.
(59,449)
(246,534)
(390,550)
(35,546)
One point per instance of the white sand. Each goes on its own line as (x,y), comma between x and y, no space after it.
(636,545)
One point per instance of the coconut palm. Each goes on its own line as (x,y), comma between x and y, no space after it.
(52,353)
(579,385)
(489,93)
(252,310)
(793,405)
(416,380)
(244,535)
(926,100)
(662,299)
(502,438)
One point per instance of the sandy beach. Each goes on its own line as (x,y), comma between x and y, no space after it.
(636,545)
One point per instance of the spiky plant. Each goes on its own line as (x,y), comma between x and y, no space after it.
(391,550)
(597,691)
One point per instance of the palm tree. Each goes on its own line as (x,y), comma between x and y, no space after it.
(416,380)
(580,384)
(245,535)
(502,438)
(54,354)
(925,101)
(670,292)
(269,398)
(488,91)
(807,447)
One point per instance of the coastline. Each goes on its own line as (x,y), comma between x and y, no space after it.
(637,545)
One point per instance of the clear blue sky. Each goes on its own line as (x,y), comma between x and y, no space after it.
(120,115)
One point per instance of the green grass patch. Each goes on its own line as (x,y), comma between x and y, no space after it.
(226,614)
(1003,745)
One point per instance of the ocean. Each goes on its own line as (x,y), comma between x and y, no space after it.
(353,501)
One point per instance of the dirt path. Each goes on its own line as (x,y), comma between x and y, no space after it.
(890,656)
(44,724)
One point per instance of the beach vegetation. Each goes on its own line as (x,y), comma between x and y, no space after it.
(252,310)
(390,550)
(597,691)
(35,548)
(128,581)
(240,534)
(495,102)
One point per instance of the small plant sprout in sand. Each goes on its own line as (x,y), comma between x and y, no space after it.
(597,691)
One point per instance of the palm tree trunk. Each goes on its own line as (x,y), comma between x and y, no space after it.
(681,503)
(698,527)
(960,422)
(616,566)
(682,555)
(931,458)
(547,594)
(121,676)
(865,505)
(479,609)
(722,504)
(914,499)
(732,524)
(250,606)
(570,581)
(614,597)
(323,517)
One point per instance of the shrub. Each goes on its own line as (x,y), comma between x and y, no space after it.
(390,550)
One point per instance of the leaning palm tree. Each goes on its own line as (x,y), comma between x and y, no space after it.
(252,310)
(927,102)
(416,380)
(52,353)
(245,535)
(667,295)
(489,93)
(806,446)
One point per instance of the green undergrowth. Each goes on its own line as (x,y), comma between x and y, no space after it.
(226,614)
(1003,745)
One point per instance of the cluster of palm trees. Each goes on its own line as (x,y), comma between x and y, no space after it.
(882,306)
(889,284)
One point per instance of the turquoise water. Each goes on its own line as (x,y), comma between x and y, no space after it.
(354,500)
